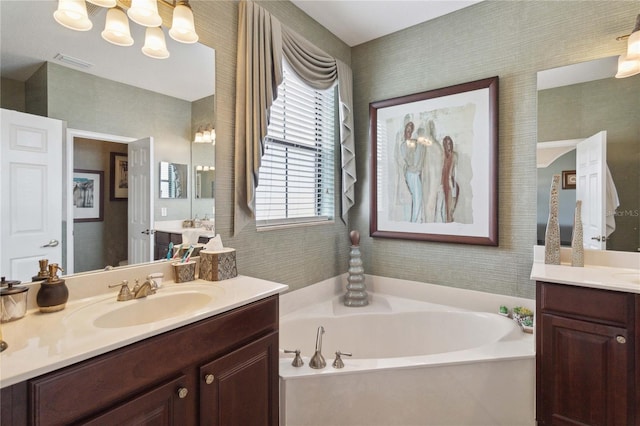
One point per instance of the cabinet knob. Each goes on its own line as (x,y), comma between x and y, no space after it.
(182,393)
(209,378)
(621,339)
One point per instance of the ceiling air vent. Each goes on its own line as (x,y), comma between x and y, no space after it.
(70,60)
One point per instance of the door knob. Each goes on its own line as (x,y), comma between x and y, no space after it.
(52,243)
(209,378)
(599,238)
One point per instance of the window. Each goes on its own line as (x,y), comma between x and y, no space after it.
(296,177)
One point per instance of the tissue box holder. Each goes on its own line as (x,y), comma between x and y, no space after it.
(218,265)
(184,272)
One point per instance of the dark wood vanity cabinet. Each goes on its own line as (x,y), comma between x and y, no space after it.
(219,371)
(587,349)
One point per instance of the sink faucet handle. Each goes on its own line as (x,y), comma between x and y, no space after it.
(297,360)
(338,363)
(125,293)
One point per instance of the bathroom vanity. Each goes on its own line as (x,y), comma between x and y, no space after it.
(218,367)
(587,345)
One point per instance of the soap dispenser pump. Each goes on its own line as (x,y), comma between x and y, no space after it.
(53,293)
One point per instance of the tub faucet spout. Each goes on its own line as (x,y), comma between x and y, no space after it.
(317,360)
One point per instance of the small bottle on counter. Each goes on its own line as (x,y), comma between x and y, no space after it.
(53,293)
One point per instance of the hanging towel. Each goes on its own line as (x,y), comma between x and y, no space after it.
(613,202)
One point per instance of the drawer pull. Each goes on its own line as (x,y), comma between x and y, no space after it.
(209,378)
(621,339)
(182,393)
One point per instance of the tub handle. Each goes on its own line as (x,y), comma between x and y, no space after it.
(297,361)
(338,363)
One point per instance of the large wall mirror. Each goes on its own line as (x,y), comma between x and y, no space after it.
(577,105)
(110,96)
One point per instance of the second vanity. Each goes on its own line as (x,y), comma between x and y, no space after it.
(587,343)
(211,357)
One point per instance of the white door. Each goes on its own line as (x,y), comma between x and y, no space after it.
(31,199)
(591,164)
(141,178)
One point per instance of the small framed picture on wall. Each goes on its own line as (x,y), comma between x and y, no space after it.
(88,187)
(568,179)
(119,188)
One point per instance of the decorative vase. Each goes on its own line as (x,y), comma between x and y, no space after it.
(356,290)
(552,234)
(577,240)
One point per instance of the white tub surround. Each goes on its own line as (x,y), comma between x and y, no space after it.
(40,343)
(422,354)
(606,270)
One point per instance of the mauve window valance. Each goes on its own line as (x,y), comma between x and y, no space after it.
(262,43)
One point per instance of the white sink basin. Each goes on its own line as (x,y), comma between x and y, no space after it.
(167,303)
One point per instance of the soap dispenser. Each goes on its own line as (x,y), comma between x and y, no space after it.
(53,293)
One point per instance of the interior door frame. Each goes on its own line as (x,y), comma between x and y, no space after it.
(68,190)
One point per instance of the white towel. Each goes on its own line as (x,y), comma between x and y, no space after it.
(613,202)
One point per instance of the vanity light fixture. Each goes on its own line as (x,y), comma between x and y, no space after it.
(154,43)
(72,14)
(208,135)
(629,63)
(116,28)
(145,13)
(182,26)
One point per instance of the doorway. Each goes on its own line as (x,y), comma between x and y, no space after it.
(99,245)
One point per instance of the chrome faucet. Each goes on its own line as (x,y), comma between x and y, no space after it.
(147,288)
(317,360)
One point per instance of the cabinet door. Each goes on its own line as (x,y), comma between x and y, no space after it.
(241,388)
(584,373)
(160,406)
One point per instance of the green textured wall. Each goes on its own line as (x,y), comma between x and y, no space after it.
(513,40)
(510,39)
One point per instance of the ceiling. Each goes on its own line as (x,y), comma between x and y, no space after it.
(30,36)
(358,21)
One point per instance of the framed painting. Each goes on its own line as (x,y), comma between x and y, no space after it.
(568,179)
(119,185)
(88,188)
(434,173)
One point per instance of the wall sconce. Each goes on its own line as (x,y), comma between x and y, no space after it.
(629,63)
(208,135)
(72,14)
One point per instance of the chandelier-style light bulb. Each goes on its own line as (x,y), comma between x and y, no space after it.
(145,13)
(103,3)
(182,26)
(72,14)
(629,63)
(116,28)
(154,44)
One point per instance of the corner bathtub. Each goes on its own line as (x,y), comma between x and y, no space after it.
(413,363)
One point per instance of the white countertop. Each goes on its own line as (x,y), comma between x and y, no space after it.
(40,343)
(602,277)
(604,270)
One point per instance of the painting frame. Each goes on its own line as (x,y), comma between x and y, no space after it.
(119,185)
(88,204)
(469,112)
(569,179)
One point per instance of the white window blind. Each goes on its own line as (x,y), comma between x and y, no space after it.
(296,177)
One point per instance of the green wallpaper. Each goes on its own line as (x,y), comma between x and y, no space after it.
(510,39)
